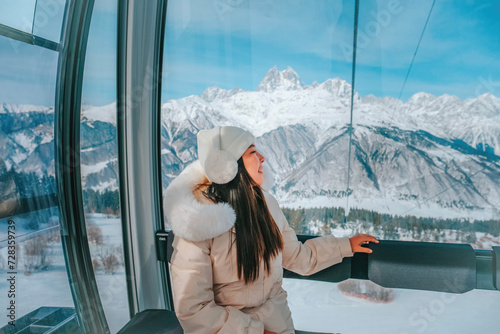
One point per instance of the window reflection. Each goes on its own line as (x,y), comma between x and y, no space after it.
(28,84)
(28,193)
(434,174)
(99,169)
(413,174)
(424,163)
(40,273)
(48,19)
(18,14)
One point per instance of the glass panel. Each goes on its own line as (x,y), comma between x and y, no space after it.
(99,149)
(48,19)
(18,14)
(283,70)
(40,277)
(250,64)
(30,79)
(425,141)
(30,243)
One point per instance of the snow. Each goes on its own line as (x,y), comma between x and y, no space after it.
(321,307)
(393,207)
(45,132)
(274,80)
(51,287)
(90,149)
(110,185)
(19,157)
(105,114)
(328,101)
(24,108)
(315,306)
(95,168)
(324,109)
(26,141)
(282,99)
(418,209)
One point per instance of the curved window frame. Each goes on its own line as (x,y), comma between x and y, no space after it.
(141,26)
(83,285)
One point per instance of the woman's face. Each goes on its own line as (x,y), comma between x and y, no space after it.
(253,164)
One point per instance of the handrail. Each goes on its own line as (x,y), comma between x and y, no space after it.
(357,267)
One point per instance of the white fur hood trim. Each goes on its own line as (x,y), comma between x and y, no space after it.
(189,218)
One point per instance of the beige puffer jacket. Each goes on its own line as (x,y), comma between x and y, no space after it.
(208,296)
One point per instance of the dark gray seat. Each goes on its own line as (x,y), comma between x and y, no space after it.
(153,322)
(161,322)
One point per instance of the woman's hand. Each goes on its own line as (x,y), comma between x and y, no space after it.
(268,332)
(361,239)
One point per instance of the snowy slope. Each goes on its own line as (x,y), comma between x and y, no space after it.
(427,156)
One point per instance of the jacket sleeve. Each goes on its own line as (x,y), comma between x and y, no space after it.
(191,269)
(312,256)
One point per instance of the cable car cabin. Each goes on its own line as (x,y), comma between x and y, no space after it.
(376,117)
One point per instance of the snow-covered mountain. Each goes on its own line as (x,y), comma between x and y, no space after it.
(428,156)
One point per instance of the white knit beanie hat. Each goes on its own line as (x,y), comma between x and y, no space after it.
(219,150)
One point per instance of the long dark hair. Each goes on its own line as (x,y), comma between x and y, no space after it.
(258,238)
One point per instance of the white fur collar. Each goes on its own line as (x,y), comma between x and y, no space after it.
(189,218)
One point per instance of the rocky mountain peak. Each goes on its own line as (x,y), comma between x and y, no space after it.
(274,80)
(337,87)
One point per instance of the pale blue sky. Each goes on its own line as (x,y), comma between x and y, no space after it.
(233,43)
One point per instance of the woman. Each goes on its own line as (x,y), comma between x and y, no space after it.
(232,241)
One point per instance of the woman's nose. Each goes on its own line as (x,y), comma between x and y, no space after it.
(261,157)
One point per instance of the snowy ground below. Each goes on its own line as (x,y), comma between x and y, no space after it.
(322,307)
(316,306)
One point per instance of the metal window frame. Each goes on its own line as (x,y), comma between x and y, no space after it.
(76,25)
(28,38)
(139,48)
